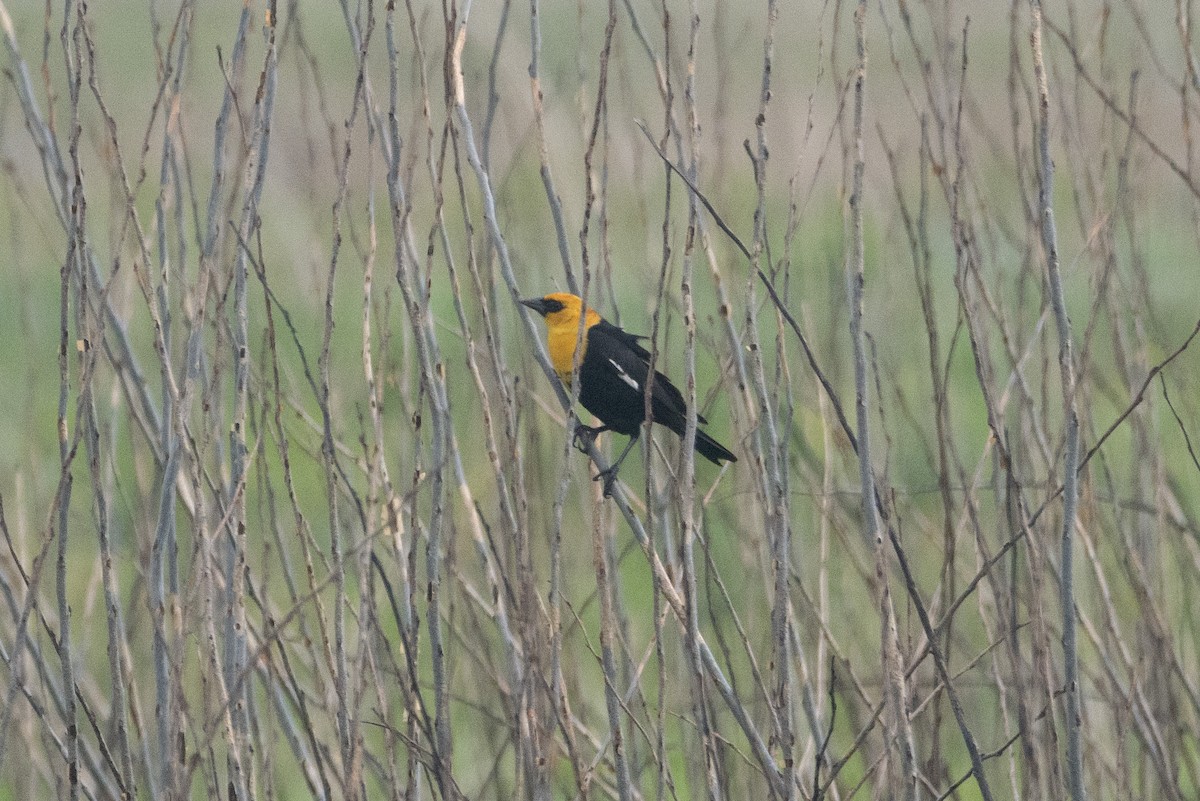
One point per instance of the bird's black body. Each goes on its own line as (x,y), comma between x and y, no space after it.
(615,363)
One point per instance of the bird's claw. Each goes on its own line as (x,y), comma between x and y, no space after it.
(609,477)
(584,437)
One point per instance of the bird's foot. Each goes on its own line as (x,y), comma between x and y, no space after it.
(585,436)
(609,477)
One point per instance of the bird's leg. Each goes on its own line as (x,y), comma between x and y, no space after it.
(609,476)
(586,435)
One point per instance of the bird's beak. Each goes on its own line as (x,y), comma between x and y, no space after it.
(537,304)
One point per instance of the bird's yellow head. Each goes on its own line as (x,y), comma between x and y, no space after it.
(561,311)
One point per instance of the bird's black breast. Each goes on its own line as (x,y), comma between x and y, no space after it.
(613,380)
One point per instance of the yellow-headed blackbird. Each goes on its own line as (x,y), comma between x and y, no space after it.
(612,376)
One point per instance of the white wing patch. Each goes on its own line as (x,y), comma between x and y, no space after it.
(624,376)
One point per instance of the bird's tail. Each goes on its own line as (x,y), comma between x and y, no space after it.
(712,450)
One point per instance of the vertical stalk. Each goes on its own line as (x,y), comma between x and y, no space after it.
(1066,367)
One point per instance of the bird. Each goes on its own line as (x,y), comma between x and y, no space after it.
(613,371)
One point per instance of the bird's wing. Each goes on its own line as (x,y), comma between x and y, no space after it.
(623,337)
(622,355)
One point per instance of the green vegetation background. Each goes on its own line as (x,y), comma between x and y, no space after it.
(806,142)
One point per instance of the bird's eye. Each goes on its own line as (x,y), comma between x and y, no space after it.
(554,306)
